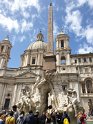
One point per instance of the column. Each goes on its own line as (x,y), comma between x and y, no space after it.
(39,59)
(57,46)
(28,62)
(3,95)
(26,59)
(14,96)
(68,59)
(5,48)
(58,59)
(19,88)
(2,61)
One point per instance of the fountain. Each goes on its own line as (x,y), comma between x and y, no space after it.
(35,100)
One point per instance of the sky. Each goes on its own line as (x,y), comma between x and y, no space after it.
(22,20)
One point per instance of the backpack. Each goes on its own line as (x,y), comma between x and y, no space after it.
(1,121)
(66,121)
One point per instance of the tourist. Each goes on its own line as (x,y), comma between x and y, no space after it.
(10,119)
(53,116)
(48,118)
(78,117)
(58,117)
(4,115)
(20,119)
(36,117)
(1,120)
(16,114)
(83,117)
(42,118)
(65,118)
(29,118)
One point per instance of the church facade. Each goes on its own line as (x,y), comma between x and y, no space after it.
(51,71)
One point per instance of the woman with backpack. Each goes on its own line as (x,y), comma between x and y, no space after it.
(65,118)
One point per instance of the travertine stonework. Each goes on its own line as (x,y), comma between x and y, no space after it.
(47,74)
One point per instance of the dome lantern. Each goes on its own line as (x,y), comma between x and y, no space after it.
(39,43)
(40,37)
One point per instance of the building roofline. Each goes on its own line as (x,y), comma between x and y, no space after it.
(80,55)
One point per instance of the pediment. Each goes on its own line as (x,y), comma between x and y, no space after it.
(26,74)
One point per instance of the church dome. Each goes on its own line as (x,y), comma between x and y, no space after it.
(39,44)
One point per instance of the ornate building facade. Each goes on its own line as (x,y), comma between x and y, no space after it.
(46,72)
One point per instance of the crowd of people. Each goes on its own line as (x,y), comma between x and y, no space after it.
(15,117)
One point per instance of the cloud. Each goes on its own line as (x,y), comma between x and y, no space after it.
(25,14)
(74,20)
(89,34)
(9,23)
(25,26)
(18,16)
(88,2)
(16,5)
(55,28)
(85,48)
(81,2)
(22,38)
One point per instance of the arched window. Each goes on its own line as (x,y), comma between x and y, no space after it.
(2,48)
(62,43)
(7,101)
(63,60)
(89,86)
(83,88)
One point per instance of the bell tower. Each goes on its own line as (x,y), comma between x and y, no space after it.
(5,47)
(62,49)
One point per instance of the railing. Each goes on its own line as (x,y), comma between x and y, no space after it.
(86,94)
(67,69)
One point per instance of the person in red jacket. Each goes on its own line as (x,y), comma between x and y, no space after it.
(83,117)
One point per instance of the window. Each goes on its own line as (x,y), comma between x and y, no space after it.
(76,68)
(2,48)
(63,68)
(90,59)
(84,60)
(33,60)
(81,70)
(63,60)
(86,70)
(6,104)
(62,43)
(83,88)
(89,86)
(75,61)
(79,60)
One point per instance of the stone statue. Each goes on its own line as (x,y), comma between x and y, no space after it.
(24,103)
(36,98)
(72,100)
(39,81)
